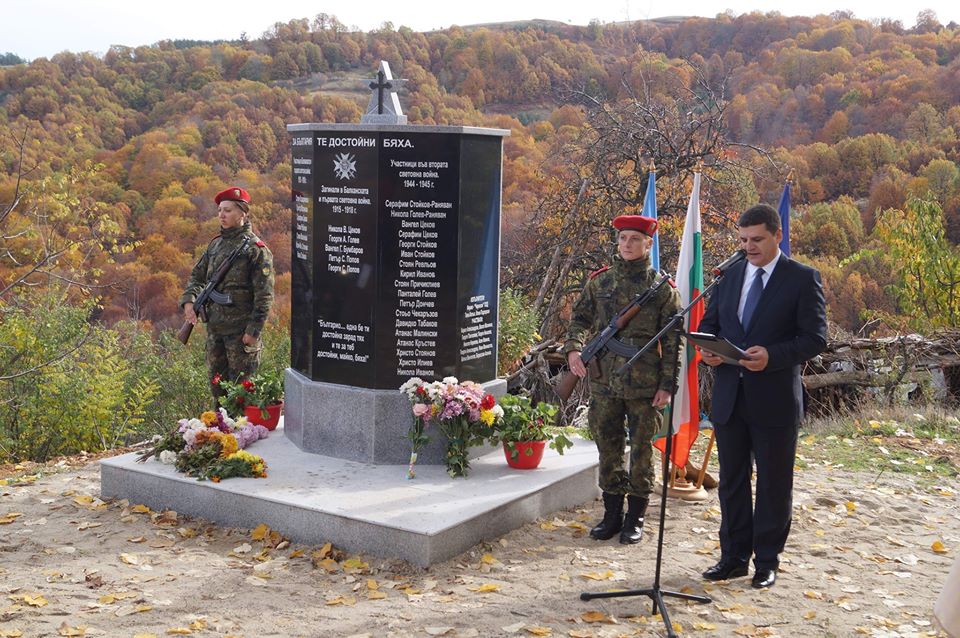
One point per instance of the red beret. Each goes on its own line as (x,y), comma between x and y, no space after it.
(646,225)
(234,193)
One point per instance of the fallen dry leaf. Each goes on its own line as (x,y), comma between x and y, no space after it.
(10,633)
(354,564)
(607,575)
(485,588)
(939,547)
(342,600)
(594,616)
(581,633)
(260,532)
(130,559)
(67,630)
(10,517)
(538,631)
(178,631)
(32,600)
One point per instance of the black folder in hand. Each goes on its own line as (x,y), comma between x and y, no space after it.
(717,345)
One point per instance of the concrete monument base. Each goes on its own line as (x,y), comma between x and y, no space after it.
(362,507)
(357,424)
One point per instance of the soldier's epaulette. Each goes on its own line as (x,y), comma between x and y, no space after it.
(672,283)
(260,243)
(598,271)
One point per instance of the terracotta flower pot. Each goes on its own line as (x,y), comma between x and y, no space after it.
(255,415)
(529,454)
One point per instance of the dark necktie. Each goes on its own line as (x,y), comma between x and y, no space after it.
(753,297)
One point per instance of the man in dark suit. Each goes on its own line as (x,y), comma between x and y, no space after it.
(773,308)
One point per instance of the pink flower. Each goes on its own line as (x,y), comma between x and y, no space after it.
(421,410)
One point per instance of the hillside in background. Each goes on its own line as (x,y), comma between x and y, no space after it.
(865,114)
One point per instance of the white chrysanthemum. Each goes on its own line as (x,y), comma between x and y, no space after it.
(168,456)
(450,380)
(412,384)
(497,411)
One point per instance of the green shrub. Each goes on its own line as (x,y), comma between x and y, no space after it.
(68,384)
(517,331)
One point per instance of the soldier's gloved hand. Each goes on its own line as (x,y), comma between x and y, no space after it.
(575,363)
(188,313)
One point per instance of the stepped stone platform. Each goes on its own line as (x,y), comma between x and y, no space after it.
(362,507)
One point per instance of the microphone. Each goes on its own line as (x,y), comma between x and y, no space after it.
(731,261)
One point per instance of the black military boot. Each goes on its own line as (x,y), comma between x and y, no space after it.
(633,521)
(612,517)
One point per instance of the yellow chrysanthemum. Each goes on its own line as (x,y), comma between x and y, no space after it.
(487,416)
(228,445)
(256,463)
(209,418)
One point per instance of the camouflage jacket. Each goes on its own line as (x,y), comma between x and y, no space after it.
(605,294)
(249,282)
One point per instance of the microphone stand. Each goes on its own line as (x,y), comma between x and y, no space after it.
(654,592)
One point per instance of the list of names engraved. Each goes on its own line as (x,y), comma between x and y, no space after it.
(422,219)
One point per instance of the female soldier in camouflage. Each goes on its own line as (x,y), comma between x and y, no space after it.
(638,395)
(233,331)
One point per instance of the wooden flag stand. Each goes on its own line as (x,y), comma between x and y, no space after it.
(680,486)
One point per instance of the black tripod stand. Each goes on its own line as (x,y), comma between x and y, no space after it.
(654,592)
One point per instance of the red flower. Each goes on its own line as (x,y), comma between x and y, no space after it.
(216,379)
(239,400)
(488,402)
(247,385)
(421,391)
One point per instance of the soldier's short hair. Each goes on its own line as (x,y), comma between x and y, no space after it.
(760,214)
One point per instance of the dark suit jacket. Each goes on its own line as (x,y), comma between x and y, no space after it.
(790,321)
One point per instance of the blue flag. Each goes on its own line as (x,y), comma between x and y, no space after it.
(784,210)
(650,210)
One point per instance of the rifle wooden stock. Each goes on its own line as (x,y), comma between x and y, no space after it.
(185,330)
(568,383)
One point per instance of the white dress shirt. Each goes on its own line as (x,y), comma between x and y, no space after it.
(748,276)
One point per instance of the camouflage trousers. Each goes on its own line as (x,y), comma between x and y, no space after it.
(228,357)
(606,419)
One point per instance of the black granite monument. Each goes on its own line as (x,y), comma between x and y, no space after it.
(395,273)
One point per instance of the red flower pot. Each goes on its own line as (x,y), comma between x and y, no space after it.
(529,454)
(255,415)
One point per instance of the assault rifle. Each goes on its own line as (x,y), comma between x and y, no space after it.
(605,341)
(210,292)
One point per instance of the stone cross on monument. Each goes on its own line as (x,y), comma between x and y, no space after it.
(384,105)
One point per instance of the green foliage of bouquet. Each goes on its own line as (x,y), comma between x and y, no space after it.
(261,389)
(524,421)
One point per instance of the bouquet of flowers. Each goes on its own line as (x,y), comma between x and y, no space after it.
(462,412)
(211,447)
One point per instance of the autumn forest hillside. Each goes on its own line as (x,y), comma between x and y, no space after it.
(108,164)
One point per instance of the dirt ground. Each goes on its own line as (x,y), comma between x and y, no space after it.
(867,556)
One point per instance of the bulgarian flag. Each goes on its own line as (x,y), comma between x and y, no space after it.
(685,411)
(784,210)
(650,210)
